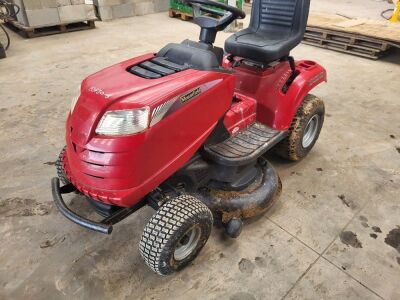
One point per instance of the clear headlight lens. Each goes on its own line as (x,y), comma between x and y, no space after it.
(124,122)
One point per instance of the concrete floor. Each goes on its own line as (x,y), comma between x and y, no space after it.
(370,9)
(334,233)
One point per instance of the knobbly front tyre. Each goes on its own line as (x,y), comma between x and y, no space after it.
(2,51)
(304,130)
(60,169)
(175,234)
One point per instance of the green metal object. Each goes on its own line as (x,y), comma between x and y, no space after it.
(180,6)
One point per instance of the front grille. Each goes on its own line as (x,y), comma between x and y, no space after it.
(156,68)
(94,176)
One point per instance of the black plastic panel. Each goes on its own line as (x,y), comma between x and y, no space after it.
(139,71)
(168,64)
(156,68)
(246,146)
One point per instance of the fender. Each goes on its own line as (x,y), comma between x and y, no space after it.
(277,102)
(310,74)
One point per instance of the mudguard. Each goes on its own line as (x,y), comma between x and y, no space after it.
(277,100)
(310,75)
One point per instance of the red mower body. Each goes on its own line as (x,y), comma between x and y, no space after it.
(121,170)
(185,131)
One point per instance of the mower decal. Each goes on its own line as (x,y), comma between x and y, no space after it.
(281,81)
(159,112)
(171,106)
(316,78)
(186,97)
(99,92)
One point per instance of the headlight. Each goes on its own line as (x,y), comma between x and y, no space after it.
(124,122)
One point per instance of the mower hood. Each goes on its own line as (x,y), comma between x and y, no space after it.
(114,88)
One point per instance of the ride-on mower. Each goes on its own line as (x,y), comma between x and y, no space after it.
(184,130)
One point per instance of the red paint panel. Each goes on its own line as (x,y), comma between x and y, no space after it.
(275,108)
(121,170)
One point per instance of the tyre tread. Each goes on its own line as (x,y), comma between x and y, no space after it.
(60,168)
(289,147)
(164,224)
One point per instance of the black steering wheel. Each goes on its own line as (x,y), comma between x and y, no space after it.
(210,24)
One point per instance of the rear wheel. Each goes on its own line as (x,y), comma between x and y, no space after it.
(304,130)
(175,234)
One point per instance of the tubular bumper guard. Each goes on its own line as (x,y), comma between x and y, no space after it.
(105,226)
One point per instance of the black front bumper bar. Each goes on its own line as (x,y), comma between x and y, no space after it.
(105,226)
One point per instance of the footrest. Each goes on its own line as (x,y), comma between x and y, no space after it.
(246,146)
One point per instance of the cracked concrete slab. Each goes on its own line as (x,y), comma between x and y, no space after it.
(325,281)
(311,207)
(375,263)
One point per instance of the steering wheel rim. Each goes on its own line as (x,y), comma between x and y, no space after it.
(210,25)
(236,12)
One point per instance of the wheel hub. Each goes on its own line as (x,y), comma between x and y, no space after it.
(187,244)
(311,131)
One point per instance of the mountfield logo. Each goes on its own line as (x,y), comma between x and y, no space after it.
(186,97)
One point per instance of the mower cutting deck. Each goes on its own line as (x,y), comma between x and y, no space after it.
(184,130)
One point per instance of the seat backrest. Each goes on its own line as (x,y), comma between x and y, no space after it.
(280,16)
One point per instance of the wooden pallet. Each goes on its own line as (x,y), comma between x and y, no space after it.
(32,32)
(346,42)
(381,30)
(173,13)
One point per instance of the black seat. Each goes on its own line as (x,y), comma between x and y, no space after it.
(195,55)
(276,27)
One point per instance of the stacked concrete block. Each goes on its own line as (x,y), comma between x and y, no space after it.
(115,9)
(161,5)
(76,13)
(42,13)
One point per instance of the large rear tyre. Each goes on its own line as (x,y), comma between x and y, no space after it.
(304,130)
(175,234)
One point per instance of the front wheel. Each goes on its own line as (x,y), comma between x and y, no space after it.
(59,167)
(175,234)
(304,130)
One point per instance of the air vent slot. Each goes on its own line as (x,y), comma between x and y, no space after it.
(156,68)
(94,176)
(142,72)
